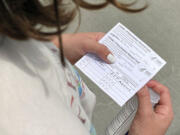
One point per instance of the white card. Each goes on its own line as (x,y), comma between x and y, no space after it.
(136,63)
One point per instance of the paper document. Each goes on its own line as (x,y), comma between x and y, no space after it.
(136,63)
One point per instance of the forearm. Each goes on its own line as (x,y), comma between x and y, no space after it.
(65,39)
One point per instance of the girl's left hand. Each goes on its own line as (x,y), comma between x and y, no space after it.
(77,45)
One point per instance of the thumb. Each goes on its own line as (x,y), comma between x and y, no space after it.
(104,53)
(101,50)
(145,106)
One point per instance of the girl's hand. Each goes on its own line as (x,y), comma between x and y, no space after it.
(77,45)
(149,121)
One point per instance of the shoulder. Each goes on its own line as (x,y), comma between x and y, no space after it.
(20,62)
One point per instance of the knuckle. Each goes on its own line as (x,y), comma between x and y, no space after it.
(143,93)
(103,49)
(169,113)
(164,88)
(99,50)
(167,91)
(167,110)
(100,34)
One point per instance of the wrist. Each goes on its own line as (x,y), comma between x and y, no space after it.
(66,38)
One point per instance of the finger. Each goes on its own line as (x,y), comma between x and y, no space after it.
(145,106)
(163,91)
(94,35)
(101,50)
(99,36)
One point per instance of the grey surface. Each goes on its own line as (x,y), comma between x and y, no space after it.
(159,27)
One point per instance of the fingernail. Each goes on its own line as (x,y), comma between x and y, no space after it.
(111,58)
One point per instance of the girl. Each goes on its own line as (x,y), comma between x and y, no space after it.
(41,94)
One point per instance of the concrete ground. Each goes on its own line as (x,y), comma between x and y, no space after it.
(159,27)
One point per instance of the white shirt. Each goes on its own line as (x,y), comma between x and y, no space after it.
(37,95)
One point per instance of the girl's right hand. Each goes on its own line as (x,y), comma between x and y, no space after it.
(149,121)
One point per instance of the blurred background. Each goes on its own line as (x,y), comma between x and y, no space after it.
(159,27)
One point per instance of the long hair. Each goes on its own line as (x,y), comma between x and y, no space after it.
(20,18)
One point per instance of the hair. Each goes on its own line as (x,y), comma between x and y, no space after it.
(20,18)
